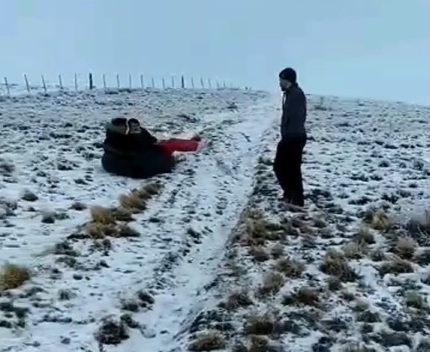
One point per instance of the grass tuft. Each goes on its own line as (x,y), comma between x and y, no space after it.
(13,276)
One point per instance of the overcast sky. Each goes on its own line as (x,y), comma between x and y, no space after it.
(358,48)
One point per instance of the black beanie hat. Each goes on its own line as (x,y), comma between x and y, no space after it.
(119,121)
(288,74)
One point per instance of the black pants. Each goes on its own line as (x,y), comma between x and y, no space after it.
(288,168)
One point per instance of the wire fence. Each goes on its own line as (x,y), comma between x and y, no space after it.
(90,82)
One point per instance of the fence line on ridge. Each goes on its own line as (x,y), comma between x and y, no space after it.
(80,84)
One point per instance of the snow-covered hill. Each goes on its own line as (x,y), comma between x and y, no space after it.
(208,258)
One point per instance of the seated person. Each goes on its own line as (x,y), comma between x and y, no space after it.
(126,154)
(169,146)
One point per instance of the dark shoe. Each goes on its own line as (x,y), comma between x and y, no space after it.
(286,198)
(196,138)
(298,202)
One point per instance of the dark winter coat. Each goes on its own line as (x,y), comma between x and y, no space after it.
(294,113)
(133,156)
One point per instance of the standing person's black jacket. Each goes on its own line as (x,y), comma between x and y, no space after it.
(293,113)
(134,156)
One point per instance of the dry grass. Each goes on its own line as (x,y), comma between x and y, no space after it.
(378,255)
(258,231)
(238,300)
(380,221)
(354,250)
(132,202)
(103,216)
(336,264)
(364,236)
(122,214)
(307,296)
(259,324)
(395,265)
(277,251)
(272,283)
(405,247)
(127,231)
(98,230)
(259,344)
(13,276)
(259,253)
(416,300)
(207,341)
(290,267)
(148,191)
(104,221)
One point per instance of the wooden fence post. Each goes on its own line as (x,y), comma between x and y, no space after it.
(104,81)
(192,82)
(117,81)
(173,82)
(76,82)
(217,85)
(60,82)
(202,83)
(91,83)
(26,83)
(209,83)
(7,86)
(182,82)
(130,81)
(44,84)
(153,82)
(141,82)
(163,83)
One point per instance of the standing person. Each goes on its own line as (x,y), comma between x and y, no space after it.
(288,159)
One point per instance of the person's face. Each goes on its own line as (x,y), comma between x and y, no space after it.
(134,128)
(284,84)
(122,129)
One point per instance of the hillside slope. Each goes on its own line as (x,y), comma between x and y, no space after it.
(208,258)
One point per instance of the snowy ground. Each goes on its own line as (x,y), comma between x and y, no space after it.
(345,273)
(51,149)
(218,261)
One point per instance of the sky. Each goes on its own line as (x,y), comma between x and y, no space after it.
(377,49)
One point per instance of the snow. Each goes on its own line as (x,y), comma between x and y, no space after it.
(359,153)
(205,194)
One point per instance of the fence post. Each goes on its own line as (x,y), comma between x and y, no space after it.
(130,81)
(91,84)
(192,82)
(118,83)
(7,86)
(173,82)
(60,82)
(26,83)
(153,82)
(209,83)
(76,82)
(104,81)
(183,82)
(141,82)
(202,83)
(217,85)
(44,84)
(223,84)
(163,83)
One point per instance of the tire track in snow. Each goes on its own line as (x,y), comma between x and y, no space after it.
(218,190)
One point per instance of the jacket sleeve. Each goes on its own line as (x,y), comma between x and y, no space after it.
(294,112)
(148,136)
